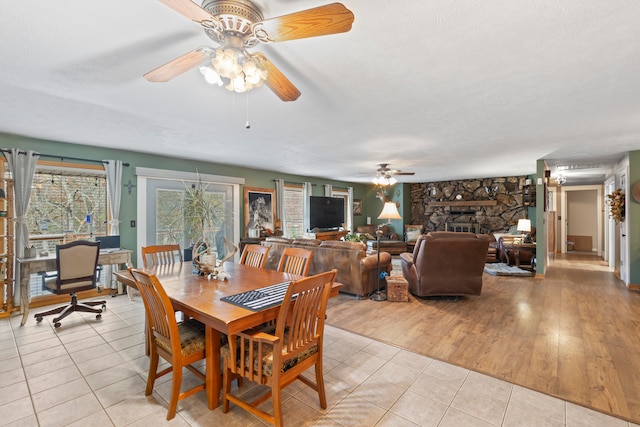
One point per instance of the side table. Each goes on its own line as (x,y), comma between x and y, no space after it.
(513,250)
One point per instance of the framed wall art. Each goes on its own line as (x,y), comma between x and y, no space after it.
(259,210)
(357,207)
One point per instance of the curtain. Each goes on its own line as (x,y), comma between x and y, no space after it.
(328,190)
(280,204)
(350,209)
(22,166)
(307,189)
(114,191)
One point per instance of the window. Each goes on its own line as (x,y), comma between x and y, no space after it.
(348,203)
(68,202)
(162,200)
(293,211)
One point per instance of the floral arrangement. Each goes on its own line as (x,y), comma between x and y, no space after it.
(616,205)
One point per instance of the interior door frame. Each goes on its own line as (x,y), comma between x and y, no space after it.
(599,212)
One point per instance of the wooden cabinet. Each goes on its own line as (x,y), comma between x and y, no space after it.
(7,247)
(326,235)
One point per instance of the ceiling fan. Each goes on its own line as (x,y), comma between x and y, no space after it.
(385,175)
(238,25)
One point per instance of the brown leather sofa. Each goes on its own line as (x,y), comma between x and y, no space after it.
(357,271)
(446,263)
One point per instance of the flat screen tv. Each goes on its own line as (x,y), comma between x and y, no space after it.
(326,213)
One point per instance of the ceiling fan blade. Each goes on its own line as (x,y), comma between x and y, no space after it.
(190,10)
(174,68)
(320,21)
(404,173)
(276,81)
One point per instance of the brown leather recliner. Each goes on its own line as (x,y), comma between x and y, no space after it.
(446,263)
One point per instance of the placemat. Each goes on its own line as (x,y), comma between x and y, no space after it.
(259,299)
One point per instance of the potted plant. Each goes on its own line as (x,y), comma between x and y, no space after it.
(202,211)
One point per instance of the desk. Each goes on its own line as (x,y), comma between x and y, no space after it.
(29,266)
(199,297)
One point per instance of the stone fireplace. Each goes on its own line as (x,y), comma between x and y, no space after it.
(494,204)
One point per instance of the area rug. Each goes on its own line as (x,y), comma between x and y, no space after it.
(502,269)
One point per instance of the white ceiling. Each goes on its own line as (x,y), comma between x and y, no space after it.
(448,89)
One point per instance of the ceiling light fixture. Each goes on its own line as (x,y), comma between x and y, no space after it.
(240,71)
(384,180)
(560,179)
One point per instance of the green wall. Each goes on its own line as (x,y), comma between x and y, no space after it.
(633,227)
(128,209)
(541,241)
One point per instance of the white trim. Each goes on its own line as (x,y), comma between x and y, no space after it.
(187,176)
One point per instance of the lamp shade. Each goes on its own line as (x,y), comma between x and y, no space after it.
(524,225)
(389,211)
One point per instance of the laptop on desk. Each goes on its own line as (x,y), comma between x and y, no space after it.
(109,243)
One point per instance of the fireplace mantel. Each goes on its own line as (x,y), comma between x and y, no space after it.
(466,203)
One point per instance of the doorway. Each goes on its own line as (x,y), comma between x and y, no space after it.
(582,219)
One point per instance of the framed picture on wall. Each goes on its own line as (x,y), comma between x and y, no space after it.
(357,207)
(259,210)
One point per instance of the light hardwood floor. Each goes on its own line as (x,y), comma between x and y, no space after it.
(573,334)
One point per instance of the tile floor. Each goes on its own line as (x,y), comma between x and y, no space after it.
(92,372)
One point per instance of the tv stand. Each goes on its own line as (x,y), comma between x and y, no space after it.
(326,235)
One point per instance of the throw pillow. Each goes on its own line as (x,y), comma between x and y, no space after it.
(413,235)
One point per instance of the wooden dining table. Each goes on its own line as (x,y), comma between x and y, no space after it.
(199,296)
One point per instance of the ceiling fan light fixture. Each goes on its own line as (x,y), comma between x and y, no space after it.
(384,180)
(241,70)
(210,75)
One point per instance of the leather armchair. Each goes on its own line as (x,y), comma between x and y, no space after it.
(371,230)
(446,263)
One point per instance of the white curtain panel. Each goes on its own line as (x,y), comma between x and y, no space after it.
(350,208)
(114,192)
(280,203)
(22,165)
(307,189)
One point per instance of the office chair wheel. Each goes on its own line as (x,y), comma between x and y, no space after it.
(98,316)
(39,319)
(57,324)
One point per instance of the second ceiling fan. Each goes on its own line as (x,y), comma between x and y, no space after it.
(238,25)
(385,175)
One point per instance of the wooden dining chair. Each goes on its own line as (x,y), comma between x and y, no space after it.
(254,255)
(277,359)
(180,344)
(155,255)
(295,261)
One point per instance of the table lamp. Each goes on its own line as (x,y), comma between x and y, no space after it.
(389,212)
(524,226)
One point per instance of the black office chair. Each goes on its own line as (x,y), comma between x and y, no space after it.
(76,265)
